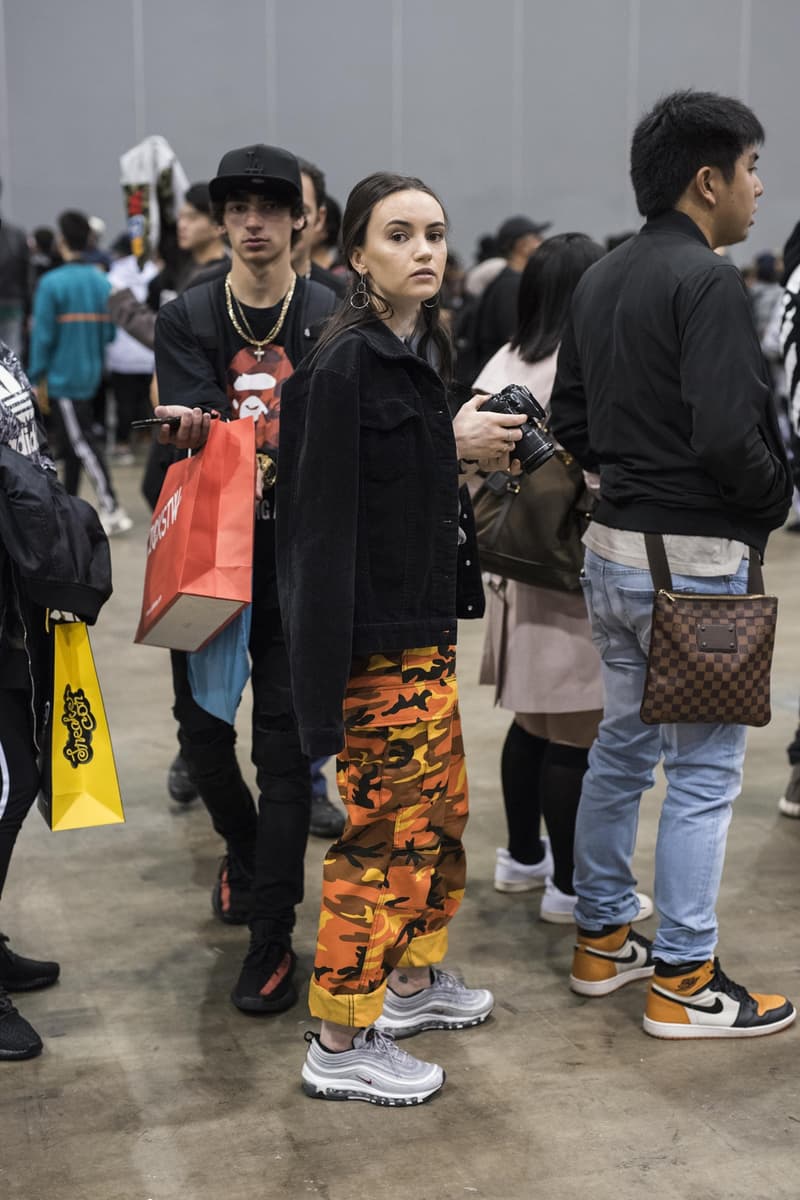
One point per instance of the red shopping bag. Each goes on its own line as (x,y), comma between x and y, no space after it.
(199,569)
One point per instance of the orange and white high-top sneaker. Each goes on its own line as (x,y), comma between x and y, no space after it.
(701,1002)
(602,964)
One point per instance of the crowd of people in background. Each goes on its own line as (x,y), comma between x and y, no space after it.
(295,297)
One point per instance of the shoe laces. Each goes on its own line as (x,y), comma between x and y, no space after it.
(6,1004)
(385,1045)
(446,981)
(265,952)
(723,983)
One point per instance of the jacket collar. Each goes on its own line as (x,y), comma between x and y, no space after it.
(380,338)
(386,344)
(675,222)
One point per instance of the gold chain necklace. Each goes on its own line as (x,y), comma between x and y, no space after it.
(247,334)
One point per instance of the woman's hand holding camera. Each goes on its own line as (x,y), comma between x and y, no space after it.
(487,438)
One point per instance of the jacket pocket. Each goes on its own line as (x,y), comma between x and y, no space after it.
(386,429)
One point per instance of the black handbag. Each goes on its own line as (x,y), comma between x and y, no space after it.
(530,527)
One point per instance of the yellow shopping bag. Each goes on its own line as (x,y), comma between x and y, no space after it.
(80,788)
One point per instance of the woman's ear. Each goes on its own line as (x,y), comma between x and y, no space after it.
(357,261)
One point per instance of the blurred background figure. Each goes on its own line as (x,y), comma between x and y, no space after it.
(43,253)
(517,239)
(326,250)
(71,329)
(129,363)
(15,286)
(316,211)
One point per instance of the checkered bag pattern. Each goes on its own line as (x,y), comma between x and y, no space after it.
(690,681)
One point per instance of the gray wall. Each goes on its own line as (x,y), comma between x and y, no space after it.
(504,106)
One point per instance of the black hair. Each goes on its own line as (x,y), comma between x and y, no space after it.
(199,197)
(682,133)
(486,247)
(45,240)
(333,222)
(317,179)
(545,292)
(75,229)
(361,202)
(283,193)
(121,246)
(765,267)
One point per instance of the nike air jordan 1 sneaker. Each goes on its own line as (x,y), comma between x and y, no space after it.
(697,1000)
(603,963)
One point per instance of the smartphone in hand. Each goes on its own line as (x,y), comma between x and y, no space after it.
(156,422)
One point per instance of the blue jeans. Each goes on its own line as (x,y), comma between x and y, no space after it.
(702,763)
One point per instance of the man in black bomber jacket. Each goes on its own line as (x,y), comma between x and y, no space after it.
(662,387)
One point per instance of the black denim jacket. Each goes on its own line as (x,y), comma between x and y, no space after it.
(369,552)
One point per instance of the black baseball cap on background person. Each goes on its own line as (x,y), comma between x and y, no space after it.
(254,169)
(516,227)
(198,195)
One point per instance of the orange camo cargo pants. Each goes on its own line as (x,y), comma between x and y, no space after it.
(396,876)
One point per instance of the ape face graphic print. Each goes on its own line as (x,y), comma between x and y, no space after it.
(254,391)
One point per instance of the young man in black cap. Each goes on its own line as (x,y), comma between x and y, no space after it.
(228,345)
(517,239)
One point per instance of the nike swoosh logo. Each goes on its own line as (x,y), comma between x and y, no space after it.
(631,957)
(716,1007)
(363,1079)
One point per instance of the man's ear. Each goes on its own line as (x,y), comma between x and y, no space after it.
(706,183)
(322,216)
(300,222)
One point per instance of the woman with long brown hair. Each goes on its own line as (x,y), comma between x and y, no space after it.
(376,560)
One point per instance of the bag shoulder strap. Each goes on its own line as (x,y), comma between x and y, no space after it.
(662,576)
(200,311)
(318,304)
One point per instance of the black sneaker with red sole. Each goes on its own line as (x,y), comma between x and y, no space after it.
(266,983)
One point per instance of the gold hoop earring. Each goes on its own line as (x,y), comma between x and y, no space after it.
(360,297)
(432,303)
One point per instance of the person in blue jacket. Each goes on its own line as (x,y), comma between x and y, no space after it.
(71,329)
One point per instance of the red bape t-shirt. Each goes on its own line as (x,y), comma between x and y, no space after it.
(254,390)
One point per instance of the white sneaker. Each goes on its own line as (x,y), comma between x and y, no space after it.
(789,803)
(116,522)
(513,876)
(447,1004)
(558,908)
(375,1070)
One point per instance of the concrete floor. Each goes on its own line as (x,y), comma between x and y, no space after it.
(153,1087)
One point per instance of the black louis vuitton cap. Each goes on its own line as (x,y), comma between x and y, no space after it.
(256,168)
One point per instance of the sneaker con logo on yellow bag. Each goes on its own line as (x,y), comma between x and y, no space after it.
(80,788)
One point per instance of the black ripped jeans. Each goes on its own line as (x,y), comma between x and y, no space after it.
(270,841)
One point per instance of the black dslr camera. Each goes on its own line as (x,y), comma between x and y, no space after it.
(535,447)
